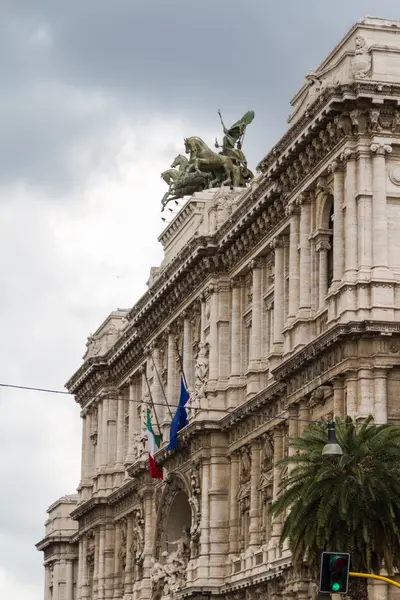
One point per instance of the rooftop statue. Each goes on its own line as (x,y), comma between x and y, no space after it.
(208,169)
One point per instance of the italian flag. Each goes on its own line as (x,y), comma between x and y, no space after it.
(153,444)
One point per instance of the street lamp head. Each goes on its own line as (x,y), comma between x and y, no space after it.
(332,448)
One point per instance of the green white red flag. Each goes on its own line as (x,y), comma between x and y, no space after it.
(153,444)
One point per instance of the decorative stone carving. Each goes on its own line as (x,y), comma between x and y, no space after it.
(122,550)
(362,61)
(394,174)
(201,378)
(137,547)
(245,464)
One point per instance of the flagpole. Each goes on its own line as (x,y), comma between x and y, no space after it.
(152,403)
(161,385)
(181,365)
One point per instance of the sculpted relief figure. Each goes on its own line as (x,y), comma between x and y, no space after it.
(201,377)
(362,62)
(207,169)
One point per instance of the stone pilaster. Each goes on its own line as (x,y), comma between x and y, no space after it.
(117,562)
(294,265)
(129,557)
(109,561)
(254,529)
(256,314)
(236,321)
(213,335)
(83,578)
(156,389)
(365,393)
(172,381)
(304,201)
(278,455)
(148,550)
(364,214)
(69,580)
(47,595)
(84,448)
(131,424)
(379,211)
(304,415)
(233,505)
(120,431)
(351,230)
(380,396)
(99,427)
(339,409)
(101,564)
(104,433)
(351,393)
(56,581)
(187,358)
(338,222)
(279,290)
(322,248)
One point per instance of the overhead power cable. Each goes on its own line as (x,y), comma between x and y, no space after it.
(113,395)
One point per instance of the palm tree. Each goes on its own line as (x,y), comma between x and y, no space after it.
(348,503)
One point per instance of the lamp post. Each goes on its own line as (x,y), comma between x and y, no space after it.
(332,448)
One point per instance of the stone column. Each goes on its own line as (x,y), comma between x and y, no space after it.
(69,580)
(278,455)
(132,425)
(56,581)
(294,266)
(338,223)
(364,214)
(187,358)
(89,446)
(104,433)
(350,229)
(380,396)
(203,570)
(304,415)
(99,428)
(218,502)
(256,314)
(96,563)
(366,403)
(101,569)
(148,549)
(120,432)
(129,561)
(117,562)
(338,398)
(172,382)
(323,248)
(213,335)
(304,201)
(254,529)
(47,583)
(109,562)
(112,432)
(351,394)
(236,320)
(156,389)
(379,211)
(84,447)
(233,505)
(83,578)
(279,289)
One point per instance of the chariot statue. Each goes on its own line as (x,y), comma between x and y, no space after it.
(205,168)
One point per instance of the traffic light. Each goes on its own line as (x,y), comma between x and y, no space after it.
(334,576)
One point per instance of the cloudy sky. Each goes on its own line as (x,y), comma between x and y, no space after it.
(96,98)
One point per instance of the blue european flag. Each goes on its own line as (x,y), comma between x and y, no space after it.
(180,419)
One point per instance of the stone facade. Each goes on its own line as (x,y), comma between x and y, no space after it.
(284,301)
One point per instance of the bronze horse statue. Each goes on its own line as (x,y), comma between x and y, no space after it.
(204,160)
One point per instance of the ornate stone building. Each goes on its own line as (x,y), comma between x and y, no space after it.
(283,300)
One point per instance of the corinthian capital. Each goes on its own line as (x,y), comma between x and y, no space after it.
(380,149)
(347,154)
(292,209)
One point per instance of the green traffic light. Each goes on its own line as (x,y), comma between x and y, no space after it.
(335,587)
